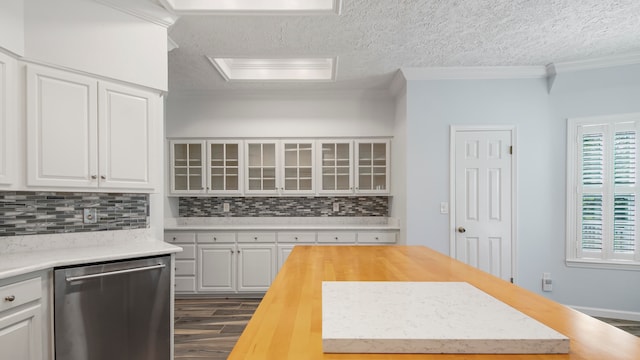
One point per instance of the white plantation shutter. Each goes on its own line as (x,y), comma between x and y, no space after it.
(606,214)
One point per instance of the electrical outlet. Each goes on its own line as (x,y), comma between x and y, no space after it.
(547,282)
(89,216)
(336,206)
(225,207)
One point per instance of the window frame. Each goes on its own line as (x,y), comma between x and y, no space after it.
(574,251)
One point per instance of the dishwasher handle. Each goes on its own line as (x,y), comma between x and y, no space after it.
(117,272)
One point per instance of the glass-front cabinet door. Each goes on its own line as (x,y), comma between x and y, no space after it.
(372,166)
(298,166)
(261,165)
(335,166)
(187,168)
(224,167)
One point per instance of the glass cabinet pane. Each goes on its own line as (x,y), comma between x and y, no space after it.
(298,166)
(261,167)
(224,167)
(187,167)
(336,167)
(372,166)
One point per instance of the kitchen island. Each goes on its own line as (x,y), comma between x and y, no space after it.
(288,322)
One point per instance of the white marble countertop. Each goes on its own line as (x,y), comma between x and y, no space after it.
(25,254)
(428,317)
(283,223)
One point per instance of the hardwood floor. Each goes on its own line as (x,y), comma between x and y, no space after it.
(209,328)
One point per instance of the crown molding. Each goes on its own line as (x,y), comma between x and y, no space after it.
(171,44)
(474,72)
(398,83)
(596,63)
(376,94)
(143,9)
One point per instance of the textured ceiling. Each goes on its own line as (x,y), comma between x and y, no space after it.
(374,38)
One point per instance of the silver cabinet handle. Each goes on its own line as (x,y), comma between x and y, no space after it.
(10,298)
(103,177)
(117,272)
(93,177)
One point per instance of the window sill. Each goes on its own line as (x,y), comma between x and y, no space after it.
(604,264)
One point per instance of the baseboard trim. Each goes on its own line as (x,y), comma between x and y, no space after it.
(608,313)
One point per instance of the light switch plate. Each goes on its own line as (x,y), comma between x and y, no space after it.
(444,208)
(225,207)
(336,206)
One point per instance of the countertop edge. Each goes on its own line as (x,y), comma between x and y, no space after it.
(20,263)
(282,227)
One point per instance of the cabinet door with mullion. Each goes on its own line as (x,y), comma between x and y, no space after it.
(224,167)
(335,167)
(372,166)
(188,172)
(8,119)
(261,164)
(298,166)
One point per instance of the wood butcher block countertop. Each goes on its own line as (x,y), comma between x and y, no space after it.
(288,322)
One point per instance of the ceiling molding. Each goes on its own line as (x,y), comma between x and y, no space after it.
(192,7)
(171,44)
(597,63)
(143,9)
(398,83)
(283,94)
(474,72)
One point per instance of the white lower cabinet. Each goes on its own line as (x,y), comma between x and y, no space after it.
(217,267)
(231,267)
(256,267)
(21,320)
(229,262)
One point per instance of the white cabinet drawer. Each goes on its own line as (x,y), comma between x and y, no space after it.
(188,252)
(216,237)
(296,237)
(376,237)
(185,284)
(256,237)
(337,237)
(185,267)
(180,237)
(13,295)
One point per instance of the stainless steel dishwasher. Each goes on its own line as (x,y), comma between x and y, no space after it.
(115,310)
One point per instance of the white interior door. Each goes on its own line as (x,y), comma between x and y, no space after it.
(483,234)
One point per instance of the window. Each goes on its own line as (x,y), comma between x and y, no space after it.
(602,191)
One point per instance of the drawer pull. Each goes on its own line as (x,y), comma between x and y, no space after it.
(215,238)
(174,238)
(10,298)
(255,238)
(295,238)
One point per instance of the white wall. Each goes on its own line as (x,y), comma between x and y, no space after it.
(540,118)
(12,26)
(87,36)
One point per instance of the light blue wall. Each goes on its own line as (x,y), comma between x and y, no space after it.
(540,120)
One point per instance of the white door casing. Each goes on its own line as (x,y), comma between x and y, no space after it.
(482,220)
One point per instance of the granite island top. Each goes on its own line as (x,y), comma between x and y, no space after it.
(282,223)
(428,317)
(24,254)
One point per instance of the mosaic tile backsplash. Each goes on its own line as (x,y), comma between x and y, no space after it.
(34,213)
(283,206)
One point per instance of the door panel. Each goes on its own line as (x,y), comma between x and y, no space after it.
(483,173)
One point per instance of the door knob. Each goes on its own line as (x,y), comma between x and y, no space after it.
(462,230)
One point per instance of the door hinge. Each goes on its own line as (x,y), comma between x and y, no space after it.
(510,150)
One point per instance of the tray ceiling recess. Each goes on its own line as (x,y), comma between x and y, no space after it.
(284,69)
(275,7)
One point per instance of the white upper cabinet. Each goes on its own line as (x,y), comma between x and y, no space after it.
(206,167)
(188,167)
(280,167)
(8,119)
(62,129)
(298,167)
(224,167)
(372,166)
(335,166)
(261,167)
(71,142)
(126,120)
